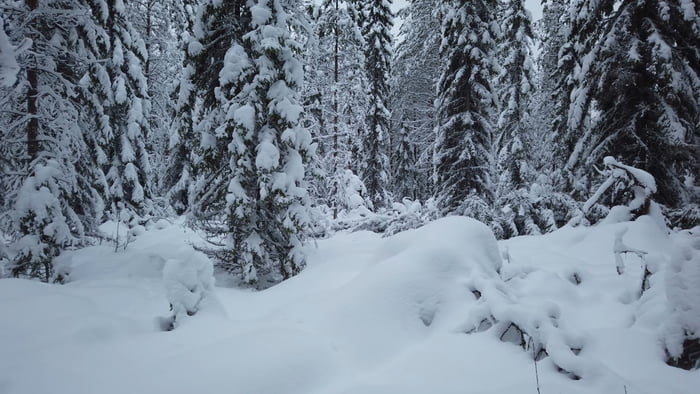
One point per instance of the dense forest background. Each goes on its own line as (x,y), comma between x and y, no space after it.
(270,122)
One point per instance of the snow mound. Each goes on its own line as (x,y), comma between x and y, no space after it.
(682,329)
(430,310)
(189,283)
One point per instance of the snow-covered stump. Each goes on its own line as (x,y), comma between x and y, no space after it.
(188,284)
(681,333)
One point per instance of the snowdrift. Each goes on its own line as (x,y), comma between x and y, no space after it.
(444,308)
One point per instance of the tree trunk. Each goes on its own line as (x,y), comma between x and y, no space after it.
(32,92)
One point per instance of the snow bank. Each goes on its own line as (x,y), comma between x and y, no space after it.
(682,327)
(433,309)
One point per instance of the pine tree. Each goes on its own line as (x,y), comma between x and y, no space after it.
(375,162)
(465,105)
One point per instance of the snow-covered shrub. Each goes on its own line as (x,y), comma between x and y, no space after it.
(685,217)
(188,283)
(627,189)
(681,333)
(406,215)
(410,214)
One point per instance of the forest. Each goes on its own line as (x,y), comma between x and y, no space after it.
(382,193)
(271,122)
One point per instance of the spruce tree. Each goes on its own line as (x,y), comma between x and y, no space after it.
(573,116)
(254,199)
(516,88)
(465,107)
(647,90)
(180,167)
(50,170)
(117,91)
(374,165)
(8,63)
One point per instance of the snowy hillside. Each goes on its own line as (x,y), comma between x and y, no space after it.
(441,309)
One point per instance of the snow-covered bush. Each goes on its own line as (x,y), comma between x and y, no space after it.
(410,214)
(188,283)
(402,216)
(627,189)
(681,333)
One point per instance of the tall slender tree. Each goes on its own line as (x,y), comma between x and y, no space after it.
(378,40)
(118,95)
(180,168)
(465,106)
(335,95)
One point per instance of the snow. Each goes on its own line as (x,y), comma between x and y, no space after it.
(268,156)
(8,64)
(260,14)
(367,315)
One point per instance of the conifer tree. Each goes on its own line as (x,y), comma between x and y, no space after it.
(180,168)
(573,117)
(159,23)
(374,165)
(117,91)
(633,93)
(255,197)
(51,171)
(415,70)
(647,90)
(465,106)
(335,95)
(519,213)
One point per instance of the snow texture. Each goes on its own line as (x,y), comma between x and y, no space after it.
(8,64)
(367,315)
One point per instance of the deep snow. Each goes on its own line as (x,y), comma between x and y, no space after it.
(419,312)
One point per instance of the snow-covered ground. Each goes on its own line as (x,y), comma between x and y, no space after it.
(432,310)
